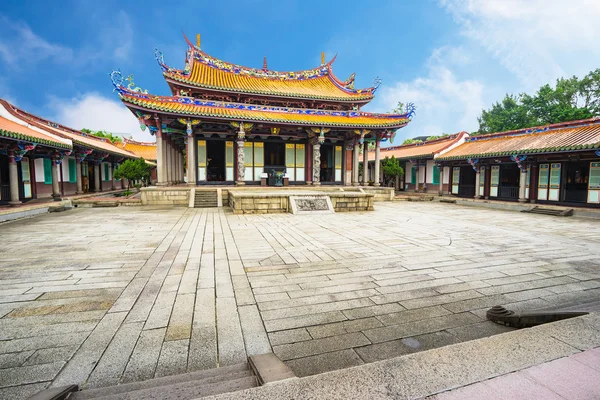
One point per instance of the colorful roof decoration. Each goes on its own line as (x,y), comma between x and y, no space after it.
(77,137)
(207,72)
(566,136)
(12,130)
(427,149)
(187,106)
(145,150)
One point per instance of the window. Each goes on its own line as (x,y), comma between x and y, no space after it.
(436,175)
(47,171)
(106,172)
(413,175)
(72,171)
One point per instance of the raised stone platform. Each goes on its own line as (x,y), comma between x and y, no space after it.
(343,198)
(255,202)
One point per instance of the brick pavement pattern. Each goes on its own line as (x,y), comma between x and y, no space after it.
(108,296)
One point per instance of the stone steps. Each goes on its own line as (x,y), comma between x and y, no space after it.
(205,198)
(181,387)
(259,370)
(550,211)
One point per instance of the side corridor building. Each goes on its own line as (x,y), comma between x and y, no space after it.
(40,158)
(553,164)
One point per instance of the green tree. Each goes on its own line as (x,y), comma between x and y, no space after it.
(570,99)
(111,137)
(392,170)
(508,115)
(411,141)
(133,170)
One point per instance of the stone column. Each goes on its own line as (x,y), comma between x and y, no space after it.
(355,162)
(97,177)
(365,147)
(522,183)
(316,181)
(13,177)
(377,161)
(174,162)
(161,176)
(79,174)
(192,165)
(167,151)
(441,187)
(477,183)
(112,176)
(241,162)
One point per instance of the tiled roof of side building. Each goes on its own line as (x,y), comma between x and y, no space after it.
(566,136)
(205,71)
(12,130)
(427,149)
(77,137)
(186,106)
(145,150)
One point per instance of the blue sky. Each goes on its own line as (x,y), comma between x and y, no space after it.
(451,58)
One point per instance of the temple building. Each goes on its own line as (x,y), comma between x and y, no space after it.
(40,158)
(145,150)
(236,125)
(421,172)
(554,164)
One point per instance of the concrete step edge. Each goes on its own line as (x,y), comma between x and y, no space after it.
(223,373)
(185,390)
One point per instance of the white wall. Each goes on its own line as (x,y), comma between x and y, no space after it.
(39,169)
(408,172)
(447,172)
(421,176)
(429,171)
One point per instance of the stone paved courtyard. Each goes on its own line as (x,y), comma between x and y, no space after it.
(114,295)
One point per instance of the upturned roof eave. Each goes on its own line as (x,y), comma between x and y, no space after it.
(133,105)
(180,80)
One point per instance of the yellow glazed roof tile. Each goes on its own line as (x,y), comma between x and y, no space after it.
(208,72)
(245,112)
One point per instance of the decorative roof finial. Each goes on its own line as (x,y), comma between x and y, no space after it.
(198,41)
(322,58)
(265,64)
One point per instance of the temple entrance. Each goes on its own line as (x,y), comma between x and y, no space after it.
(92,178)
(215,160)
(327,163)
(576,175)
(4,182)
(509,181)
(466,186)
(274,156)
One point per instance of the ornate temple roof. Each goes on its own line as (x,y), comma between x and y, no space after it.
(207,72)
(77,137)
(427,149)
(187,106)
(12,130)
(146,150)
(566,136)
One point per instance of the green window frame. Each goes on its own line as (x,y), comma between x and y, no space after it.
(436,175)
(413,175)
(47,171)
(72,171)
(106,172)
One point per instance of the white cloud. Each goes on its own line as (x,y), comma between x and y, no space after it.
(536,40)
(96,112)
(445,103)
(20,45)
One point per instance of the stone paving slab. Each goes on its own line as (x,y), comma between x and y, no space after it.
(106,296)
